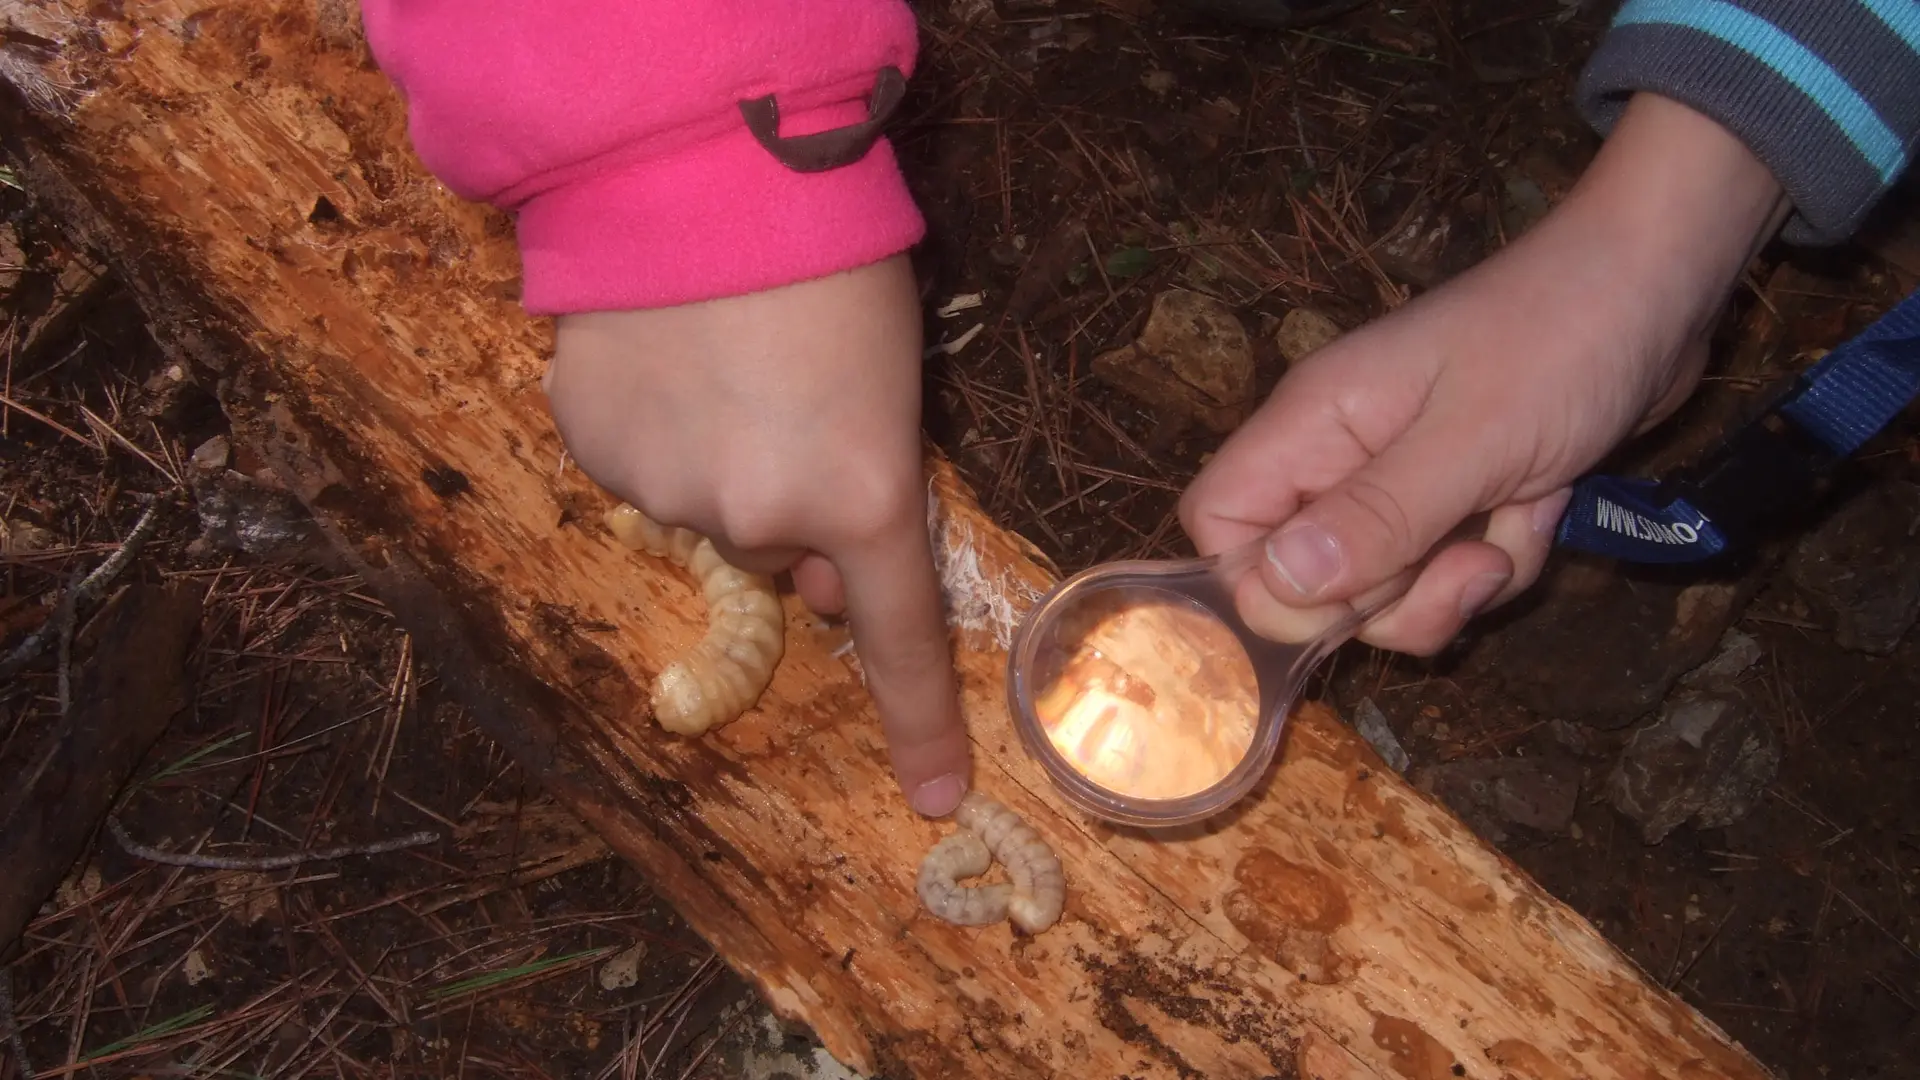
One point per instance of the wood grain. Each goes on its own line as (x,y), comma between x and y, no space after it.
(246,168)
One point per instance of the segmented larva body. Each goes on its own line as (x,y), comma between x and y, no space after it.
(989,832)
(962,855)
(730,668)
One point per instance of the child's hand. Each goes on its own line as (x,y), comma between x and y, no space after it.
(1495,391)
(785,425)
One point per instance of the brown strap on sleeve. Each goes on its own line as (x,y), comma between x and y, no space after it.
(827,149)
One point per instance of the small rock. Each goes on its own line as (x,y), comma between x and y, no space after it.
(760,1046)
(175,400)
(1212,121)
(624,969)
(247,896)
(1193,361)
(195,968)
(79,887)
(991,456)
(1008,252)
(980,12)
(170,375)
(13,258)
(1858,566)
(1528,202)
(1431,244)
(215,453)
(1738,652)
(1372,725)
(1303,332)
(1576,738)
(1539,793)
(24,537)
(238,513)
(1603,647)
(1707,759)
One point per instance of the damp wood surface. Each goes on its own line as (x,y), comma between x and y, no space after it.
(244,167)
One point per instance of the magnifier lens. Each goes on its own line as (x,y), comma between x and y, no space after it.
(1144,692)
(1154,693)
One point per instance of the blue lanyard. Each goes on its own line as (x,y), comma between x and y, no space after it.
(1773,464)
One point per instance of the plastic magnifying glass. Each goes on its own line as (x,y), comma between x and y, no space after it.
(1146,695)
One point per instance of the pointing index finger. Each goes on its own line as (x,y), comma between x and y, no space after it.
(900,629)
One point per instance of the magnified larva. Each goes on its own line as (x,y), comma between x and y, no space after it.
(990,831)
(726,673)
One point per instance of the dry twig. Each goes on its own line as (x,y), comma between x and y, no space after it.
(266,862)
(61,625)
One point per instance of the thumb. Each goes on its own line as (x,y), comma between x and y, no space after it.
(1379,521)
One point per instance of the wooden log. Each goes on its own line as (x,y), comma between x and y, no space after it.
(124,695)
(245,166)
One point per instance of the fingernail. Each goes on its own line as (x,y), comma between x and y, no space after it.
(1480,591)
(1306,556)
(1548,512)
(940,796)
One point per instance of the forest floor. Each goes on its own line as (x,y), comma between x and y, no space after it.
(1077,162)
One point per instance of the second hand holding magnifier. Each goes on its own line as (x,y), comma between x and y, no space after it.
(1150,700)
(1147,694)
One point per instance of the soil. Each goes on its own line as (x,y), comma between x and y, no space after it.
(312,726)
(1075,160)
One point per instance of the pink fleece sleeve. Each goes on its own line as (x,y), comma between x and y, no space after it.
(612,131)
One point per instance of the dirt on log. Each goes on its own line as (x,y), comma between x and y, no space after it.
(245,168)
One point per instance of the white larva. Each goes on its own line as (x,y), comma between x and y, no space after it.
(725,674)
(990,831)
(729,669)
(962,855)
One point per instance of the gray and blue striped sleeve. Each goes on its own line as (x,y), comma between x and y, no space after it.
(1825,92)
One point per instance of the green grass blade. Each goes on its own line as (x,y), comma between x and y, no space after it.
(506,975)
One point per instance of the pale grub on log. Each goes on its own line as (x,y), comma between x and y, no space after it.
(726,673)
(988,830)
